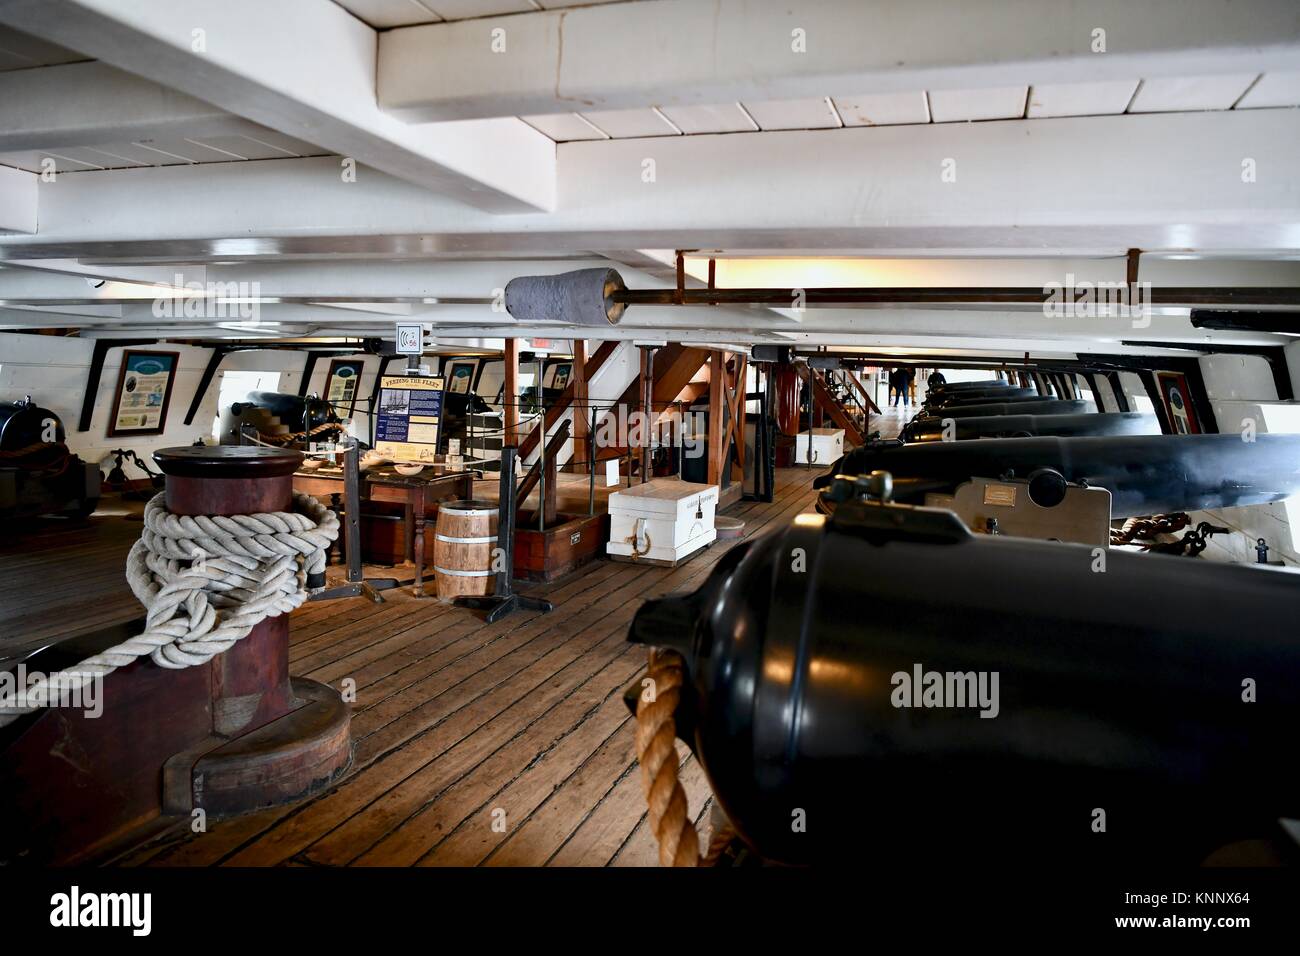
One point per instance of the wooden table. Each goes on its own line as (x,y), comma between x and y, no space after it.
(416,493)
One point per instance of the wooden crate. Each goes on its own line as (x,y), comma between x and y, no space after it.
(561,549)
(664,520)
(827,446)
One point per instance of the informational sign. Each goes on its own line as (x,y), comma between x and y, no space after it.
(560,374)
(1002,495)
(144,389)
(460,375)
(410,338)
(410,413)
(341,385)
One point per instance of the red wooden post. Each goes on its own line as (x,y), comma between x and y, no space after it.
(250,682)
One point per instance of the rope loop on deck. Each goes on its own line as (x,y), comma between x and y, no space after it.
(205,583)
(656,732)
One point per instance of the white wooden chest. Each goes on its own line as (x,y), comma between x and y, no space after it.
(827,446)
(664,519)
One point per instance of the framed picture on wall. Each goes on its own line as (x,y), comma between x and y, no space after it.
(341,384)
(144,391)
(1178,403)
(460,376)
(560,377)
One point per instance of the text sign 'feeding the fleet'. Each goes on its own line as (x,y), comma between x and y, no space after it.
(410,411)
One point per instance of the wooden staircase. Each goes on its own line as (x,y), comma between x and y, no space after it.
(839,414)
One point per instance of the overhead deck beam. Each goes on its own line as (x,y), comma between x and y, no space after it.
(1077,186)
(307,69)
(676,52)
(79,104)
(18,201)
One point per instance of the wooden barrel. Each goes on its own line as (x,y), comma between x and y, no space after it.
(465,538)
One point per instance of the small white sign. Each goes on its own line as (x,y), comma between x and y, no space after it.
(410,339)
(611,473)
(453,446)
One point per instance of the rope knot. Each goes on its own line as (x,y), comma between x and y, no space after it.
(206,582)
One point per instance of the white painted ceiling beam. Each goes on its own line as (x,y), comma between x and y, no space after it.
(18,201)
(1083,186)
(681,324)
(77,104)
(34,285)
(683,52)
(151,275)
(307,69)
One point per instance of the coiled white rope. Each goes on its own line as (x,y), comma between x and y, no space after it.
(205,582)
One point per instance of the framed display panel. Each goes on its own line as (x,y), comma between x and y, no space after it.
(144,392)
(342,383)
(460,374)
(1177,397)
(560,375)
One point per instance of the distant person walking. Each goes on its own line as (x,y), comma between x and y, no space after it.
(900,385)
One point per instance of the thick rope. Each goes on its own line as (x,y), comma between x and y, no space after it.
(205,582)
(291,437)
(1147,528)
(656,730)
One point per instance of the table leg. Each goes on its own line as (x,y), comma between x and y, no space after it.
(409,527)
(335,554)
(417,507)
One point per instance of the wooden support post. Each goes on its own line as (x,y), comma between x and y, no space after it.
(647,393)
(717,434)
(510,394)
(548,496)
(581,411)
(738,466)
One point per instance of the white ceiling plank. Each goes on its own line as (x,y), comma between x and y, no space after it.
(1182,93)
(305,68)
(564,127)
(562,4)
(29,160)
(1080,99)
(883,109)
(630,124)
(18,201)
(813,113)
(1019,186)
(248,148)
(673,53)
(464,9)
(384,14)
(22,51)
(1273,89)
(956,106)
(717,118)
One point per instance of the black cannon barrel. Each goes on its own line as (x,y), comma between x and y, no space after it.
(1027,426)
(1031,699)
(980,396)
(1034,405)
(1145,474)
(299,412)
(947,387)
(25,424)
